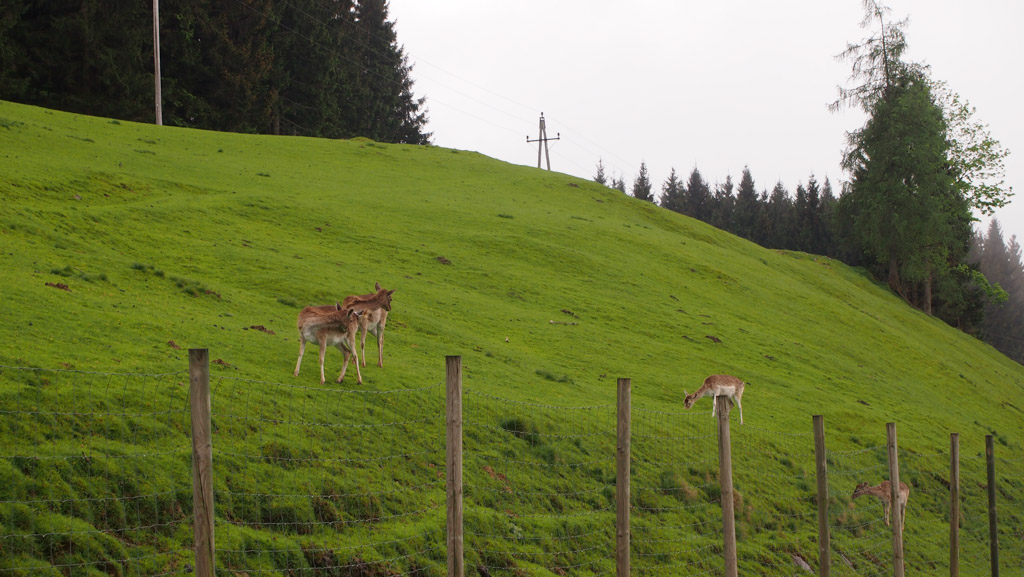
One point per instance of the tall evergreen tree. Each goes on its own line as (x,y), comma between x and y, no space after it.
(698,197)
(642,185)
(903,208)
(809,218)
(780,216)
(745,213)
(826,206)
(600,178)
(386,110)
(722,205)
(673,193)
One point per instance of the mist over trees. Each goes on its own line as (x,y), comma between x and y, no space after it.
(303,67)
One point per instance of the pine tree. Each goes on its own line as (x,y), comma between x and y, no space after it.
(780,216)
(904,208)
(673,195)
(810,223)
(722,205)
(385,107)
(600,177)
(745,213)
(825,210)
(642,185)
(698,197)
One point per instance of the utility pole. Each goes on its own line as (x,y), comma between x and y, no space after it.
(156,62)
(542,141)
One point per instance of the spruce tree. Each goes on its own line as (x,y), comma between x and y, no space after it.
(722,205)
(698,197)
(745,213)
(780,217)
(673,195)
(642,185)
(600,177)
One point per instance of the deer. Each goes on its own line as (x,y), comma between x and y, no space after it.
(883,492)
(717,386)
(373,317)
(329,326)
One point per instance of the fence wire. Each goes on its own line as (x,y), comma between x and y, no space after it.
(676,524)
(323,481)
(305,488)
(539,487)
(78,493)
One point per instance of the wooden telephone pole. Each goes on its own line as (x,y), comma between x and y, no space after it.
(159,110)
(542,140)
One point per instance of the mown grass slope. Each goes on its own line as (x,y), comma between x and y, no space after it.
(160,239)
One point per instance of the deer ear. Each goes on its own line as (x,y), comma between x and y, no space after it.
(391,292)
(337,305)
(376,285)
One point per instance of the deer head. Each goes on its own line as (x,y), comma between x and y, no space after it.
(385,296)
(688,400)
(860,489)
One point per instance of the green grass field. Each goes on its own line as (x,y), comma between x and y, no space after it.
(122,245)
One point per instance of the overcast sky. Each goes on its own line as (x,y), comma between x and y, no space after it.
(678,84)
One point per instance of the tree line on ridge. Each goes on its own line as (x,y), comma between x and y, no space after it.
(330,69)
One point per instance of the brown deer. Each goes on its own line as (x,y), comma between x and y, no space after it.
(883,492)
(330,325)
(373,312)
(717,386)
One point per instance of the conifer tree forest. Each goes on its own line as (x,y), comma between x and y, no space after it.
(326,68)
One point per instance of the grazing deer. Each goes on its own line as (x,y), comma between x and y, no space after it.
(717,386)
(373,309)
(331,325)
(883,492)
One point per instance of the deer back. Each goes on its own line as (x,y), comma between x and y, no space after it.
(378,300)
(328,321)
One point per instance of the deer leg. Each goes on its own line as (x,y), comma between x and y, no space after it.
(886,507)
(348,348)
(302,351)
(323,351)
(380,344)
(714,404)
(739,406)
(366,329)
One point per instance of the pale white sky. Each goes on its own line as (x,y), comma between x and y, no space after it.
(716,85)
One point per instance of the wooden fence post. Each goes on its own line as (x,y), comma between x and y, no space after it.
(622,479)
(453,435)
(725,479)
(954,505)
(824,544)
(202,460)
(993,526)
(894,486)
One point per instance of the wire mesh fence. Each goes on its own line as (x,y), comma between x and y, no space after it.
(775,508)
(94,473)
(676,525)
(514,522)
(96,478)
(313,490)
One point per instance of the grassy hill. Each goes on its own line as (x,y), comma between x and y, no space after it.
(122,245)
